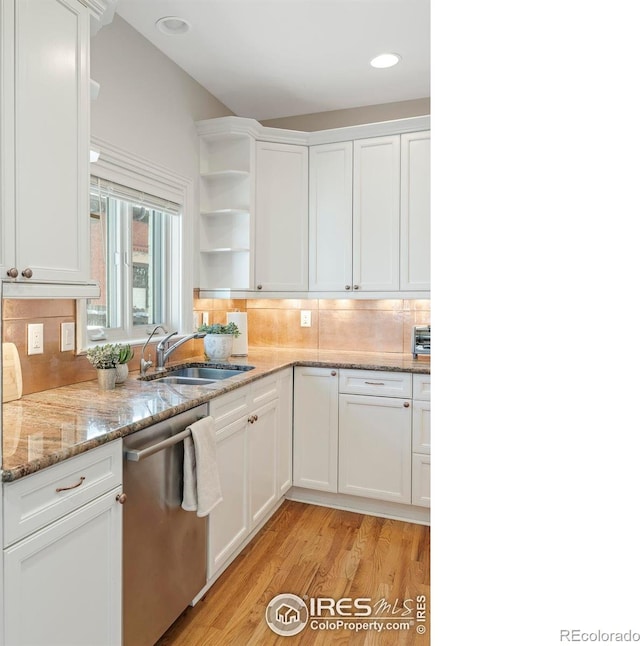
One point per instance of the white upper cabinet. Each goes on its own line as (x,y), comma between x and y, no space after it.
(330,207)
(415,226)
(45,141)
(331,212)
(376,214)
(281,256)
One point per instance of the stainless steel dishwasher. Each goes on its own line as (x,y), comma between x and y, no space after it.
(164,551)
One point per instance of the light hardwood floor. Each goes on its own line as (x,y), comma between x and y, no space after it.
(317,552)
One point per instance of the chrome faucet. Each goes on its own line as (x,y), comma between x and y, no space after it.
(163,350)
(145,363)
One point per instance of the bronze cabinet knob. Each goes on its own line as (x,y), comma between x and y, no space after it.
(121,498)
(27,273)
(12,273)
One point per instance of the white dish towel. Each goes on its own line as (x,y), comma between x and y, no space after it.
(201,487)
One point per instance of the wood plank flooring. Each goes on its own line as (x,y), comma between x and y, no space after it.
(313,552)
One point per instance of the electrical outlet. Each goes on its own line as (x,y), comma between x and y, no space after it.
(305,318)
(67,336)
(205,318)
(35,338)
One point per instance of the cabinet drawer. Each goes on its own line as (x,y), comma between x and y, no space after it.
(39,499)
(228,408)
(264,390)
(374,382)
(422,387)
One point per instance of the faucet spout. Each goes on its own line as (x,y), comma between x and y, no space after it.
(163,350)
(145,363)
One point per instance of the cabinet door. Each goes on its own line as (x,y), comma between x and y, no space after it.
(376,214)
(63,584)
(52,139)
(281,257)
(375,447)
(422,427)
(415,226)
(421,486)
(262,461)
(330,209)
(285,429)
(229,519)
(315,429)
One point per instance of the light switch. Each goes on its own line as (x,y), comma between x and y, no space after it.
(35,338)
(67,336)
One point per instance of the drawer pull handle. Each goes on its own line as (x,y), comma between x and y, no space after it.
(374,383)
(333,373)
(406,404)
(75,486)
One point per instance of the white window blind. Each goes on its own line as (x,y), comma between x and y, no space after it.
(101,189)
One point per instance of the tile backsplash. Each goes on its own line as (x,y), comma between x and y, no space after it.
(361,325)
(365,325)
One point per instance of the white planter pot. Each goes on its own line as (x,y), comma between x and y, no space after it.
(218,347)
(122,372)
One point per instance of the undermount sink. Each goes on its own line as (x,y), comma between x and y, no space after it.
(202,375)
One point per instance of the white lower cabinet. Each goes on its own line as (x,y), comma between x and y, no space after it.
(62,583)
(375,448)
(252,463)
(315,429)
(262,461)
(285,431)
(421,426)
(229,520)
(421,441)
(421,485)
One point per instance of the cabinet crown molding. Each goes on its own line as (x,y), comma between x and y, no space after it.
(242,126)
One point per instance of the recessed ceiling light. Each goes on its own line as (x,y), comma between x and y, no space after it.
(385,60)
(173,26)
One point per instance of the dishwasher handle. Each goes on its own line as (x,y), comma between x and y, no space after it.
(135,456)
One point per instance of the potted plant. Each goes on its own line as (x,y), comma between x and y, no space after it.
(104,359)
(125,354)
(218,340)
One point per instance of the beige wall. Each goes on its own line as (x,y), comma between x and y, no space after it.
(147,104)
(353,116)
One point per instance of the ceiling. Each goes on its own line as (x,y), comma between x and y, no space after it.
(276,58)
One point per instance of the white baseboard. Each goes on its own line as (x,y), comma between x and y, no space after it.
(361,505)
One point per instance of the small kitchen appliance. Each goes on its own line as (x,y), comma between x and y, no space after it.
(421,340)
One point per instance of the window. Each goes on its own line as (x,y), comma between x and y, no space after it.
(142,249)
(131,249)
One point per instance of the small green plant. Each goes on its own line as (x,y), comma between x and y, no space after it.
(103,356)
(218,328)
(125,353)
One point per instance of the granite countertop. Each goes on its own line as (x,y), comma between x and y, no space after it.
(50,426)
